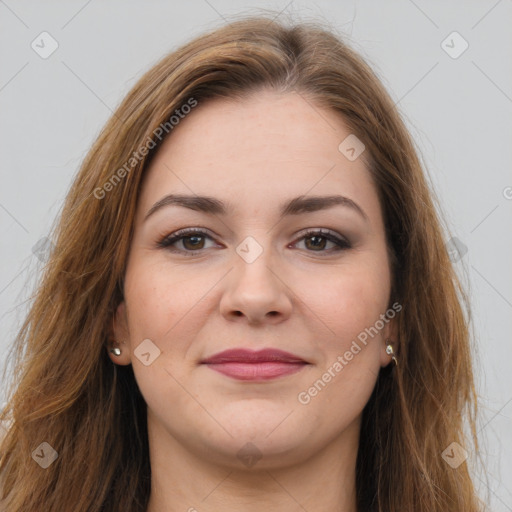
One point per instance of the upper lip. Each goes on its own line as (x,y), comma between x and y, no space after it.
(242,355)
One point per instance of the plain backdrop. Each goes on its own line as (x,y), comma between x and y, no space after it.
(447,65)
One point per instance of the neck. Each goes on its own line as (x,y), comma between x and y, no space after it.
(182,480)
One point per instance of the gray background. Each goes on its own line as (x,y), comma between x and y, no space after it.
(458,110)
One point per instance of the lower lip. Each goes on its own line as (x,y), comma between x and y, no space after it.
(256,371)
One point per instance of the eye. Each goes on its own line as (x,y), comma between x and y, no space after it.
(193,239)
(189,237)
(320,238)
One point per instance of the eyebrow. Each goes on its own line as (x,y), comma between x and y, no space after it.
(296,206)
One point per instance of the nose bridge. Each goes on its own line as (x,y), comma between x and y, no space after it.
(255,288)
(253,265)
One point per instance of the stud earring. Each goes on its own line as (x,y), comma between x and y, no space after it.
(116,351)
(390,352)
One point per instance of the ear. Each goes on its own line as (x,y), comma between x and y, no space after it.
(120,336)
(390,333)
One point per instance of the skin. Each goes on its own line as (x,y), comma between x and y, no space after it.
(313,302)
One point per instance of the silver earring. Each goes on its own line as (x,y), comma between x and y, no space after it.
(390,352)
(116,351)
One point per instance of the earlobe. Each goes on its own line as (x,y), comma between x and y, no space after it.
(119,353)
(388,353)
(390,346)
(118,348)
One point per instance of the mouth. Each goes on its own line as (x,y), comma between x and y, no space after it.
(243,364)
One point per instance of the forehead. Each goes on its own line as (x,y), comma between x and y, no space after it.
(258,152)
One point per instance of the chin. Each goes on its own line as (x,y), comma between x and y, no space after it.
(245,453)
(270,431)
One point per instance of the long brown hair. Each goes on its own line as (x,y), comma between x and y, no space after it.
(66,391)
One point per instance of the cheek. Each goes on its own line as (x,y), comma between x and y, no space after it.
(160,304)
(350,304)
(349,362)
(348,299)
(160,300)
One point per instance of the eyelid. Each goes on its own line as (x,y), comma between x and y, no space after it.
(342,243)
(324,232)
(166,241)
(199,230)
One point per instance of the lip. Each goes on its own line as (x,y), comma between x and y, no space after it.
(242,355)
(243,364)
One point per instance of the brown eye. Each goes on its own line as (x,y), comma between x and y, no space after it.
(316,241)
(192,240)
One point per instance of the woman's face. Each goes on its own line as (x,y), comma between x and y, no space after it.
(255,279)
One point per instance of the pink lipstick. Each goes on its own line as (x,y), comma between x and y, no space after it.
(243,364)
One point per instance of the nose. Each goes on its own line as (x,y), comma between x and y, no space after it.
(256,293)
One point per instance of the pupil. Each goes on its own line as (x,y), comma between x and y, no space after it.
(317,238)
(193,237)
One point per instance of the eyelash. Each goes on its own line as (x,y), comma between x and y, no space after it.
(168,240)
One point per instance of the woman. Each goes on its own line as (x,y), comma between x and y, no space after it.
(250,305)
